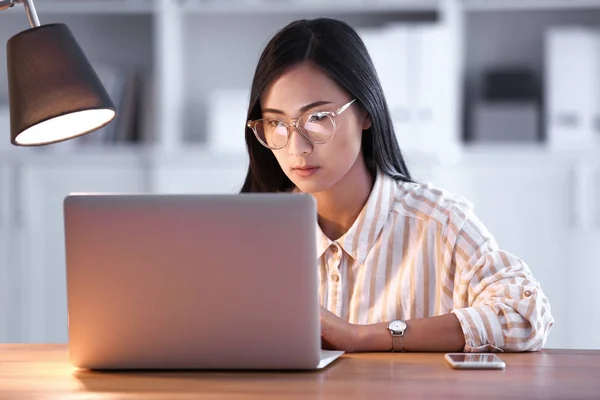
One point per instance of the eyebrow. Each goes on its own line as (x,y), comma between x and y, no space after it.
(302,109)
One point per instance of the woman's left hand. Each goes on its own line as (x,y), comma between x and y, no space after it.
(337,334)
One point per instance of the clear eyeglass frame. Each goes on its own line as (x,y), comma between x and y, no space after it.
(294,124)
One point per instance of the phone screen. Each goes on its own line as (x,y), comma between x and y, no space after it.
(477,358)
(474,361)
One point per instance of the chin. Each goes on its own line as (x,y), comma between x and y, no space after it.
(312,186)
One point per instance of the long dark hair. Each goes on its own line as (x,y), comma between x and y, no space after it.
(336,48)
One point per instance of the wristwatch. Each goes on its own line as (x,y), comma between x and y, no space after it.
(397,329)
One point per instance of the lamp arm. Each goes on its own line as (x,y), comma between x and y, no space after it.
(32,16)
(6,4)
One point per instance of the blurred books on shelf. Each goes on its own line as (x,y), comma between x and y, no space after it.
(572,79)
(4,127)
(506,122)
(507,109)
(227,113)
(418,67)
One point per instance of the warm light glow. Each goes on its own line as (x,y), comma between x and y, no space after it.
(64,127)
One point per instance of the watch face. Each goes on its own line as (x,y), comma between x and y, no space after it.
(397,326)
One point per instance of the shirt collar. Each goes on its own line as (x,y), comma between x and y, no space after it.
(368,225)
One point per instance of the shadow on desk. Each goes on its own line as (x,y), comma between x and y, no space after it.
(209,381)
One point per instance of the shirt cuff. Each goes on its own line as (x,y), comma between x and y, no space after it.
(477,328)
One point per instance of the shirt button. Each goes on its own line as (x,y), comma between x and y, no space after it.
(334,248)
(528,293)
(335,277)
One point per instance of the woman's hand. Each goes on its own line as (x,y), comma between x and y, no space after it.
(337,334)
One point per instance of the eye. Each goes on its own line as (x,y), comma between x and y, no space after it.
(317,117)
(273,123)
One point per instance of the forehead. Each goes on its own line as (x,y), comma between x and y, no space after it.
(300,85)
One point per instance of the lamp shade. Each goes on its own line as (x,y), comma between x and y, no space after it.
(54,93)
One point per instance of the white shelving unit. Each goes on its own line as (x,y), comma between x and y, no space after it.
(306,6)
(94,6)
(190,47)
(512,5)
(219,57)
(186,49)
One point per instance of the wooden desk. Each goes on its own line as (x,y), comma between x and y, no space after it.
(43,372)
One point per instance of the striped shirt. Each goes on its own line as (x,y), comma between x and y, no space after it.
(417,251)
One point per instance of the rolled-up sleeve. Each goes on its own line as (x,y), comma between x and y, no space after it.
(497,300)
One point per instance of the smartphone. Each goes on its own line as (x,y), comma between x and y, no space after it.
(474,361)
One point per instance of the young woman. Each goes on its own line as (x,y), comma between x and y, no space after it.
(403,266)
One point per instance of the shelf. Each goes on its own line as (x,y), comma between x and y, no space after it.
(200,154)
(306,6)
(532,154)
(513,5)
(90,154)
(44,7)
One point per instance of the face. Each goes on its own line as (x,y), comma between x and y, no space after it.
(302,90)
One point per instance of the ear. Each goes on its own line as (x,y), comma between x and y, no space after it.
(367,122)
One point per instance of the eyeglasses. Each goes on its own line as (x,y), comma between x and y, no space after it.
(316,127)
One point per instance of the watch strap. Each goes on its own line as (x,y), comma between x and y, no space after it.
(397,345)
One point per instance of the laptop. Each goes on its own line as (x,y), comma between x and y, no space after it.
(193,282)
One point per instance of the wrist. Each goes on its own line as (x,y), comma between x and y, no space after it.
(358,337)
(374,337)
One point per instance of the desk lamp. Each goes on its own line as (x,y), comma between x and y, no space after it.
(54,93)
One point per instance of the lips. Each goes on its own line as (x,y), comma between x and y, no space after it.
(305,170)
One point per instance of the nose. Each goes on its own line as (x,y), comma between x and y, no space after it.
(299,145)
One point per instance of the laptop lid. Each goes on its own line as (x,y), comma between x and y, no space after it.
(192,281)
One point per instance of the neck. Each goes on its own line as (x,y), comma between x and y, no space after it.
(339,206)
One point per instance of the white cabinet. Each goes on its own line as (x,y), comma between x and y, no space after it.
(596,201)
(584,288)
(11,229)
(584,268)
(44,185)
(200,174)
(527,206)
(5,236)
(543,209)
